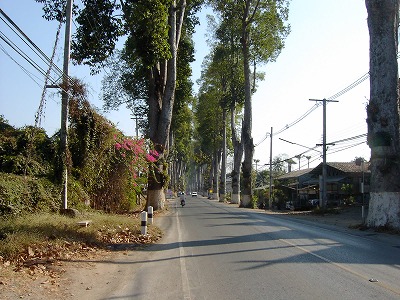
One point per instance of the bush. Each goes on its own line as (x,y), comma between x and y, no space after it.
(106,169)
(20,194)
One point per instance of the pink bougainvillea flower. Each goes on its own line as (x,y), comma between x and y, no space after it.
(118,146)
(154,153)
(150,158)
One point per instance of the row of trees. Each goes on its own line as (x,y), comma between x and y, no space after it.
(158,32)
(247,34)
(156,56)
(382,111)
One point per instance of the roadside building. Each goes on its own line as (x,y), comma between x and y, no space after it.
(346,182)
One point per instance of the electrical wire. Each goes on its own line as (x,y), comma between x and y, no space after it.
(22,53)
(14,27)
(18,31)
(31,75)
(318,104)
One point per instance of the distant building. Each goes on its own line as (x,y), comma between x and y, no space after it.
(304,185)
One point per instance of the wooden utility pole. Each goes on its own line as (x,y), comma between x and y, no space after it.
(64,105)
(324,171)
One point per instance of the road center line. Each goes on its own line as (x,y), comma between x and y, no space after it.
(395,291)
(184,275)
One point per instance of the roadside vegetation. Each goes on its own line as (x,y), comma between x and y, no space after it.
(107,178)
(43,238)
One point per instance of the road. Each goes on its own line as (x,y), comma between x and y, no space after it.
(214,250)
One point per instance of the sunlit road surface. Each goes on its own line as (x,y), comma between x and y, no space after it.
(213,250)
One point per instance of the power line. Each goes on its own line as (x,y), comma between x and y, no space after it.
(350,87)
(318,104)
(331,150)
(21,53)
(31,75)
(18,31)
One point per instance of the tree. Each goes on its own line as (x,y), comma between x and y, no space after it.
(209,126)
(262,32)
(153,29)
(383,114)
(230,65)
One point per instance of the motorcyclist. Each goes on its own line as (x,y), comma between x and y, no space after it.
(182,197)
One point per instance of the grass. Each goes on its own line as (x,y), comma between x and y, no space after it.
(53,236)
(326,210)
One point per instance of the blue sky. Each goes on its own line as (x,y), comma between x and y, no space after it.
(326,51)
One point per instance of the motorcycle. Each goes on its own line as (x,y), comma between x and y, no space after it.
(183,202)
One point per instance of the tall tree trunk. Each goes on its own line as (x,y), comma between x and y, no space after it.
(247,140)
(215,186)
(383,114)
(237,159)
(161,102)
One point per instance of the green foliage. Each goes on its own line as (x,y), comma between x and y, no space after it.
(20,194)
(54,9)
(102,171)
(261,23)
(254,201)
(25,151)
(93,44)
(146,21)
(347,188)
(279,197)
(99,174)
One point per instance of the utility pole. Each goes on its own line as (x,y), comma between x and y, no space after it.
(299,158)
(308,161)
(64,105)
(136,118)
(324,170)
(223,169)
(270,171)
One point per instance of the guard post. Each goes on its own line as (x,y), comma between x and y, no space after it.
(144,223)
(150,215)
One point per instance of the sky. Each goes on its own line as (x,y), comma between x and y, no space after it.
(326,51)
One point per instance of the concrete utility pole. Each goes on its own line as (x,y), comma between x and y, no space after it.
(324,170)
(299,158)
(223,169)
(270,171)
(136,118)
(64,105)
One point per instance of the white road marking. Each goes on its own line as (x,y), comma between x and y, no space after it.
(184,275)
(394,290)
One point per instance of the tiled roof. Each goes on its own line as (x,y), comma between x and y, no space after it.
(346,167)
(295,174)
(349,167)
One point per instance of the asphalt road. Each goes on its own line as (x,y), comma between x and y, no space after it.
(213,250)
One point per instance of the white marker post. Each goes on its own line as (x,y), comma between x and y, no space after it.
(144,223)
(150,215)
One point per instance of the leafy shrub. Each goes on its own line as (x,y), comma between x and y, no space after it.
(107,170)
(19,194)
